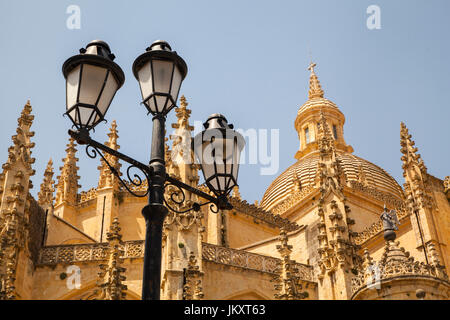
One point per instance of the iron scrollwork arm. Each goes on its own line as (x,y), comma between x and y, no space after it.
(216,203)
(93,149)
(178,197)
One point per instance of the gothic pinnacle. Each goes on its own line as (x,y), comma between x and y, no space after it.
(107,178)
(45,195)
(67,187)
(315,89)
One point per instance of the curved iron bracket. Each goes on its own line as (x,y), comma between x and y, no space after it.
(92,152)
(179,197)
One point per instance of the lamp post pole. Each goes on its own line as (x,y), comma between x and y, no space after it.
(154,214)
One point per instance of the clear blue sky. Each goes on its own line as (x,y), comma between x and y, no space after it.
(247,60)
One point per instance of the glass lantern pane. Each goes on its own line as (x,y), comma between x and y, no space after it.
(87,116)
(145,80)
(160,103)
(162,74)
(92,80)
(72,87)
(108,93)
(222,184)
(208,172)
(73,115)
(151,104)
(176,83)
(228,178)
(236,160)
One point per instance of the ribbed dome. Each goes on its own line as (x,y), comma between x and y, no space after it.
(305,170)
(317,102)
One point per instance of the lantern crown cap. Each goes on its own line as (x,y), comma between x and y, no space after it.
(159,45)
(99,43)
(98,48)
(217,121)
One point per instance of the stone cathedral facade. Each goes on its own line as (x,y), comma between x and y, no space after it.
(316,233)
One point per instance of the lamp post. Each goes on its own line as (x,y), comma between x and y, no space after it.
(92,80)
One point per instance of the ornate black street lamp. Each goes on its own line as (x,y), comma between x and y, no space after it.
(92,79)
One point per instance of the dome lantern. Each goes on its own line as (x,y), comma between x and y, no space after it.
(308,117)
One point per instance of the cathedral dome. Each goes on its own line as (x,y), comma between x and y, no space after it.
(303,174)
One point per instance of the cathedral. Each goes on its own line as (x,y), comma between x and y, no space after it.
(332,226)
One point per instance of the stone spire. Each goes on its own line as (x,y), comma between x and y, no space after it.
(414,171)
(45,195)
(110,277)
(20,151)
(183,115)
(181,145)
(181,162)
(14,202)
(287,282)
(107,177)
(315,89)
(67,187)
(420,200)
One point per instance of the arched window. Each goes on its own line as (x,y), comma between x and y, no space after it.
(307,135)
(334,132)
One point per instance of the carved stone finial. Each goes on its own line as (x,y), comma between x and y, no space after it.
(183,114)
(45,195)
(107,177)
(67,187)
(315,89)
(236,193)
(447,186)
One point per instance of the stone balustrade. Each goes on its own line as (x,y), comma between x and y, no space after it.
(378,272)
(67,254)
(252,261)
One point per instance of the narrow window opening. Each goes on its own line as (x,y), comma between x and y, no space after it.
(307,135)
